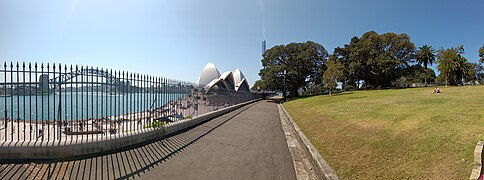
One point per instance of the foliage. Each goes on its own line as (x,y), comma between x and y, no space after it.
(376,59)
(303,63)
(155,124)
(312,89)
(479,72)
(350,78)
(415,74)
(470,76)
(259,85)
(425,55)
(452,65)
(440,79)
(370,61)
(481,54)
(332,73)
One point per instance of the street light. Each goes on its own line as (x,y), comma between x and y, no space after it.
(284,86)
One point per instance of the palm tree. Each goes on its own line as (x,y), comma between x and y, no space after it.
(451,63)
(425,56)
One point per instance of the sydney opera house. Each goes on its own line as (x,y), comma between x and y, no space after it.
(211,80)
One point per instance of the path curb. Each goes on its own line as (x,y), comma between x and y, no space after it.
(478,161)
(322,167)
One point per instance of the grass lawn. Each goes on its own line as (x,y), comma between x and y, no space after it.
(393,134)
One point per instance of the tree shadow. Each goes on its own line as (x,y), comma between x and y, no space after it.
(340,93)
(124,163)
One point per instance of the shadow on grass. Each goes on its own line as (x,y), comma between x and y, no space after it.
(123,164)
(340,93)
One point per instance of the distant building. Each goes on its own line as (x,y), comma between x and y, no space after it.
(210,79)
(44,82)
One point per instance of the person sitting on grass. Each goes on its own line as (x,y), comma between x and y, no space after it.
(436,90)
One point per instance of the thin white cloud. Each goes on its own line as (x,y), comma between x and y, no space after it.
(262,12)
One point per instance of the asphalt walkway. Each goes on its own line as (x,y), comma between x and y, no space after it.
(247,143)
(251,145)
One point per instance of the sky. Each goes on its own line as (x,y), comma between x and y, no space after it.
(175,39)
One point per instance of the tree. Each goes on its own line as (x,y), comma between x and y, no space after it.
(350,67)
(479,72)
(259,85)
(417,74)
(332,73)
(303,63)
(451,64)
(481,54)
(376,59)
(425,55)
(471,75)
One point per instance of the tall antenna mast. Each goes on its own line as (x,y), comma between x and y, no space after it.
(263,47)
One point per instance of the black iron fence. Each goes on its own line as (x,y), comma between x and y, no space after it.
(54,102)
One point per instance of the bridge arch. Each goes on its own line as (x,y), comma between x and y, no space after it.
(65,78)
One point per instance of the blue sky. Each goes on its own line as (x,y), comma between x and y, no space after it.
(176,39)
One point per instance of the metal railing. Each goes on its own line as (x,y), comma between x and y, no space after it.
(54,102)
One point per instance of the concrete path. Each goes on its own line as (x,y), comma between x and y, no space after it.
(248,143)
(251,145)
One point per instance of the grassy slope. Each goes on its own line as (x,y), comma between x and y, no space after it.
(407,133)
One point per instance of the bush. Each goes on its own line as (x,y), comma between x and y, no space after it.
(155,124)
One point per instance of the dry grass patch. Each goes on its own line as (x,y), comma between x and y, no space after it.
(389,134)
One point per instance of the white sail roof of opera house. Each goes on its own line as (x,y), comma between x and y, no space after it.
(210,78)
(229,79)
(241,84)
(238,76)
(209,73)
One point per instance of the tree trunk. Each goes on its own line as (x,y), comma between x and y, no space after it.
(330,90)
(425,76)
(447,79)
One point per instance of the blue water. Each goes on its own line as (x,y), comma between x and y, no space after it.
(75,106)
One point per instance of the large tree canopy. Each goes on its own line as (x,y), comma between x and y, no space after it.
(376,59)
(303,63)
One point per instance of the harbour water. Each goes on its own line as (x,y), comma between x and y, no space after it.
(81,105)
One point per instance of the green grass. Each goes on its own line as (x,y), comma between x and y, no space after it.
(393,134)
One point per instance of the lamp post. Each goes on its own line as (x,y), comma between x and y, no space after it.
(284,87)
